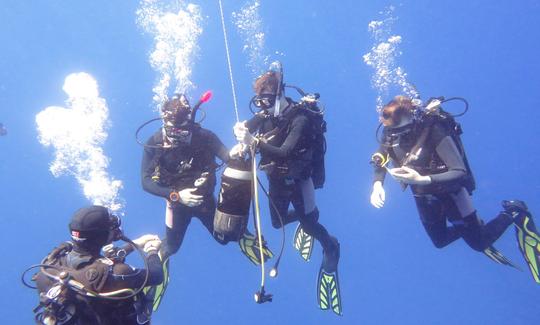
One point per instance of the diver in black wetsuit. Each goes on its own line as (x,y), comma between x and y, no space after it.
(91,229)
(428,155)
(284,142)
(179,165)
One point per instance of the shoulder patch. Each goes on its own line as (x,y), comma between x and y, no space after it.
(91,274)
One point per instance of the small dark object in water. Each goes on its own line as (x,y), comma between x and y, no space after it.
(3,130)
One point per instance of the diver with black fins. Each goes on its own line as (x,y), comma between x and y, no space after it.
(78,285)
(179,165)
(424,145)
(285,133)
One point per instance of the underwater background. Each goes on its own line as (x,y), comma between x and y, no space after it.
(357,55)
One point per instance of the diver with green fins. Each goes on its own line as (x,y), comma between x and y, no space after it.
(179,165)
(424,145)
(289,136)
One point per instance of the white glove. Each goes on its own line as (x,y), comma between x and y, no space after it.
(152,246)
(378,195)
(408,175)
(241,132)
(237,151)
(141,241)
(186,197)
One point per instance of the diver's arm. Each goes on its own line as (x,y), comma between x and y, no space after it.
(255,122)
(218,148)
(124,276)
(379,172)
(147,169)
(449,154)
(299,124)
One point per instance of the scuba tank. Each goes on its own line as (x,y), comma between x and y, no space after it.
(232,212)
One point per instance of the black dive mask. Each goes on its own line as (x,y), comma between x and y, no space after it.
(178,135)
(264,101)
(115,232)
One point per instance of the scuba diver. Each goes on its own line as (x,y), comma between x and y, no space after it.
(179,165)
(425,147)
(78,285)
(285,131)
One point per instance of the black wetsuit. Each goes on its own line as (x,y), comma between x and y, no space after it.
(179,167)
(286,156)
(448,197)
(103,275)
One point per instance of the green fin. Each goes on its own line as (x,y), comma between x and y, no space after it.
(328,292)
(155,293)
(529,245)
(303,243)
(249,246)
(498,257)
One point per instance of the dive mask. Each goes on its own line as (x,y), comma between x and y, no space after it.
(177,135)
(115,232)
(264,101)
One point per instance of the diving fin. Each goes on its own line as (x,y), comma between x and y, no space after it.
(527,235)
(496,256)
(328,292)
(155,293)
(249,245)
(303,243)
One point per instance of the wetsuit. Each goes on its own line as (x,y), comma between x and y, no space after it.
(164,170)
(286,157)
(448,197)
(102,275)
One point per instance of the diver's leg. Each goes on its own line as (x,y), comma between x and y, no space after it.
(206,211)
(177,219)
(477,235)
(433,216)
(280,198)
(303,200)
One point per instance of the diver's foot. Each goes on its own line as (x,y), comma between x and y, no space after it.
(517,209)
(249,245)
(303,243)
(331,256)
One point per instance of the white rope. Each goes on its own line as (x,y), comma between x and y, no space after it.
(229,61)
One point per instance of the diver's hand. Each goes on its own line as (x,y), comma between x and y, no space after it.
(408,175)
(186,197)
(152,246)
(238,151)
(141,241)
(241,132)
(378,195)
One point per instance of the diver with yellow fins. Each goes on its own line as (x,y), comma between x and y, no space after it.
(424,145)
(289,138)
(179,165)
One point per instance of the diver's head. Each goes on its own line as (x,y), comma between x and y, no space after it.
(398,113)
(267,89)
(93,227)
(176,114)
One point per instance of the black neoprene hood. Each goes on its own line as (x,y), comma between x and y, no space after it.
(92,218)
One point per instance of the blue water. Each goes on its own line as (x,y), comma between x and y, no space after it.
(390,273)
